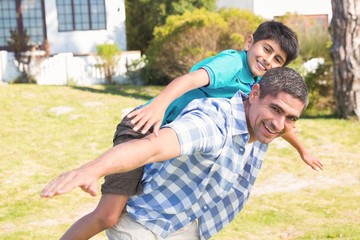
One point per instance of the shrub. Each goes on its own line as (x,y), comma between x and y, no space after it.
(315,43)
(181,42)
(186,39)
(241,23)
(109,56)
(20,44)
(134,71)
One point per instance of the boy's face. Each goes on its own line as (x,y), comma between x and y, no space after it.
(263,55)
(271,117)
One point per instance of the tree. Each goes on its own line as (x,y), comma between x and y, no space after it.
(142,16)
(20,43)
(345,32)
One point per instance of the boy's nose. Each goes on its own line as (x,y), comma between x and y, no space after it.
(267,61)
(270,61)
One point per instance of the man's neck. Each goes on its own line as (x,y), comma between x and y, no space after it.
(251,132)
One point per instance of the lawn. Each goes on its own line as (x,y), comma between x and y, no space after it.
(47,130)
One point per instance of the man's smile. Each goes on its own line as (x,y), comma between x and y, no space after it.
(269,127)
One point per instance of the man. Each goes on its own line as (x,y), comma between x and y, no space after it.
(201,168)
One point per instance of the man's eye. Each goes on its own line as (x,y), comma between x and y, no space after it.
(267,49)
(293,119)
(276,109)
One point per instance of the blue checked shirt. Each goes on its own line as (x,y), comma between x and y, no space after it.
(210,181)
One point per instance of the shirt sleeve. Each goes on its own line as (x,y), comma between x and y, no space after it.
(222,68)
(199,130)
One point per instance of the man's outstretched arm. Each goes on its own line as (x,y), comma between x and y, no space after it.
(121,158)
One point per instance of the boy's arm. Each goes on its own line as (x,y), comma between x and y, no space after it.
(305,155)
(153,113)
(141,152)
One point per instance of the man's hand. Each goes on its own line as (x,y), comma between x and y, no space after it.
(70,180)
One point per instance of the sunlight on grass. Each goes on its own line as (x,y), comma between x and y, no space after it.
(48,129)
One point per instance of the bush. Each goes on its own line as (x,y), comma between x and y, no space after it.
(20,43)
(186,39)
(134,71)
(241,23)
(109,56)
(315,43)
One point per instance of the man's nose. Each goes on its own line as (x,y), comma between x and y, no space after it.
(279,123)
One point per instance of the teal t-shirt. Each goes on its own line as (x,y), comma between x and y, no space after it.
(228,72)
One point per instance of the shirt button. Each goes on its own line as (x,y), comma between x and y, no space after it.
(241,149)
(189,218)
(205,207)
(221,195)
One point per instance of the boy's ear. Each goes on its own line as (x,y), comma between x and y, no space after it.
(255,92)
(249,41)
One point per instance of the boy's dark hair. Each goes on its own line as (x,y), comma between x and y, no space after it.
(282,34)
(286,80)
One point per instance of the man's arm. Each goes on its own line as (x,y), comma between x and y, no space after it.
(121,158)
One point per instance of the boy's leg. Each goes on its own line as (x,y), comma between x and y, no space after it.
(105,215)
(115,193)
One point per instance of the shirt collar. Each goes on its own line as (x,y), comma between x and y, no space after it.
(239,125)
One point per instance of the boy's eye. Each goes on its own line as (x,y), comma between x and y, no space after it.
(267,49)
(278,60)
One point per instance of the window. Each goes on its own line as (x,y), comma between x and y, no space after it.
(32,18)
(22,15)
(81,15)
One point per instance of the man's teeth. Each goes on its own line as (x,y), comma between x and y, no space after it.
(268,128)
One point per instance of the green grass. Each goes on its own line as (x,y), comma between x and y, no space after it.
(290,201)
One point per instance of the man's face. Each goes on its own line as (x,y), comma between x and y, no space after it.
(263,55)
(271,117)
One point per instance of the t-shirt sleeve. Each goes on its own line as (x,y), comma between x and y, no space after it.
(223,68)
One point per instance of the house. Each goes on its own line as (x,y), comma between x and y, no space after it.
(62,26)
(272,8)
(68,26)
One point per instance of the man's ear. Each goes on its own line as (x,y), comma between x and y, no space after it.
(249,41)
(255,93)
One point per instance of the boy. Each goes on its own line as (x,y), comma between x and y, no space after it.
(272,45)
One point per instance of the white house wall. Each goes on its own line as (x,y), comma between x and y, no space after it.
(243,4)
(8,69)
(84,42)
(270,8)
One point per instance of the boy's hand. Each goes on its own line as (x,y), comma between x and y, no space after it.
(312,161)
(146,117)
(70,180)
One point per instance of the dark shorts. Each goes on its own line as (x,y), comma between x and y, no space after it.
(128,183)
